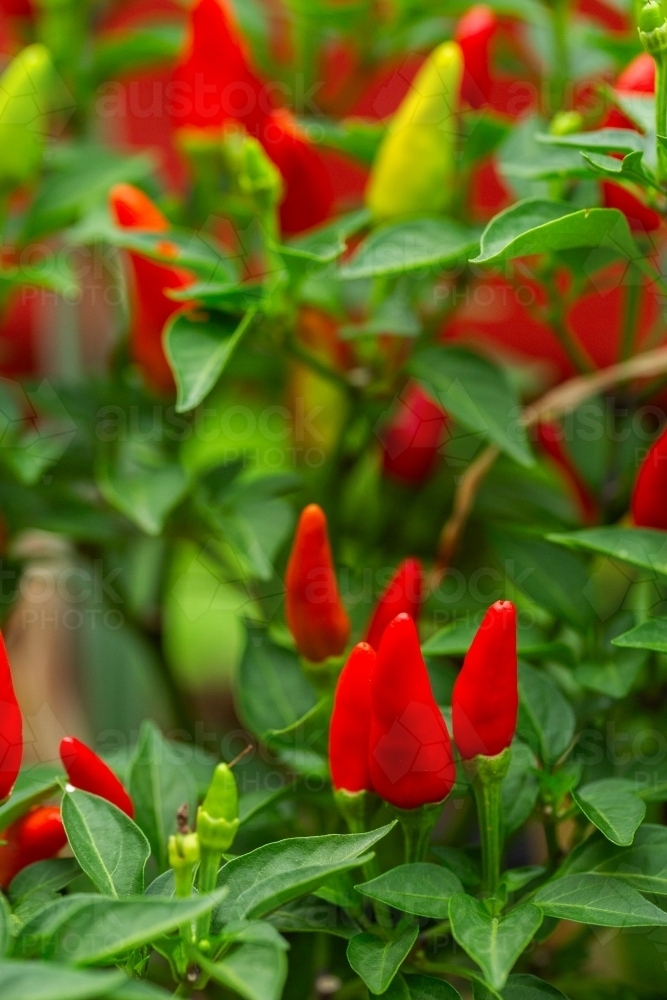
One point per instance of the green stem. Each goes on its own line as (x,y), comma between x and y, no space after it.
(660,59)
(486,776)
(631,313)
(208,876)
(357,809)
(417,825)
(568,342)
(559,80)
(184,990)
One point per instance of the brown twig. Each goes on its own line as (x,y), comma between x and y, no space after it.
(463,500)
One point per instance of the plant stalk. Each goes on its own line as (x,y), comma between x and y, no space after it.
(486,776)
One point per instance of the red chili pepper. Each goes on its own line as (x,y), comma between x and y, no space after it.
(485,699)
(549,436)
(11,727)
(313,608)
(411,760)
(309,195)
(474,32)
(649,497)
(34,837)
(350,730)
(132,209)
(88,772)
(403,594)
(411,440)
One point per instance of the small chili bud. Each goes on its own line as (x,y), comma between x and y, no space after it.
(404,593)
(313,608)
(566,123)
(650,19)
(218,816)
(88,772)
(474,33)
(485,698)
(648,505)
(411,761)
(415,167)
(132,209)
(11,727)
(349,733)
(183,851)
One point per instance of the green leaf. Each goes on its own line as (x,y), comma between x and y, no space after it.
(613,678)
(46,981)
(108,845)
(611,805)
(303,745)
(495,943)
(641,547)
(546,719)
(198,346)
(326,243)
(401,247)
(377,961)
(643,866)
(159,784)
(421,888)
(428,988)
(44,924)
(6,929)
(121,53)
(29,791)
(477,393)
(103,929)
(397,989)
(272,692)
(274,874)
(43,877)
(137,989)
(555,580)
(463,866)
(254,971)
(595,899)
(651,634)
(520,787)
(526,987)
(141,483)
(455,639)
(607,140)
(355,137)
(536,226)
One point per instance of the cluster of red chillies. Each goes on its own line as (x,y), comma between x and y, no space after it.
(39,834)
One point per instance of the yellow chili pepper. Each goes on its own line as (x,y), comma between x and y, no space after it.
(24,102)
(414,170)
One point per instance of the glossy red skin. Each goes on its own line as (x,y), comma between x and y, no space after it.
(411,761)
(402,594)
(88,772)
(132,209)
(217,86)
(11,727)
(34,837)
(649,497)
(474,32)
(549,436)
(350,730)
(411,440)
(485,698)
(313,609)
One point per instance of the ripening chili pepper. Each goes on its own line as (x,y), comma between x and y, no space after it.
(649,497)
(132,209)
(25,88)
(88,772)
(411,440)
(403,593)
(11,727)
(34,837)
(350,730)
(549,436)
(313,608)
(414,170)
(485,698)
(474,32)
(411,761)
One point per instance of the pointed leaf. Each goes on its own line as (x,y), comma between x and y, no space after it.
(611,805)
(254,971)
(495,943)
(420,888)
(643,866)
(651,634)
(641,547)
(428,988)
(377,961)
(594,899)
(546,719)
(46,981)
(401,247)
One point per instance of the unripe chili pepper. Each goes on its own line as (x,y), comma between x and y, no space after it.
(88,772)
(549,436)
(410,758)
(350,730)
(474,32)
(218,815)
(11,727)
(403,593)
(24,102)
(411,440)
(649,497)
(313,608)
(485,698)
(34,837)
(414,170)
(184,854)
(132,209)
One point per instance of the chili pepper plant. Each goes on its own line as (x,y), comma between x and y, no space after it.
(334,375)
